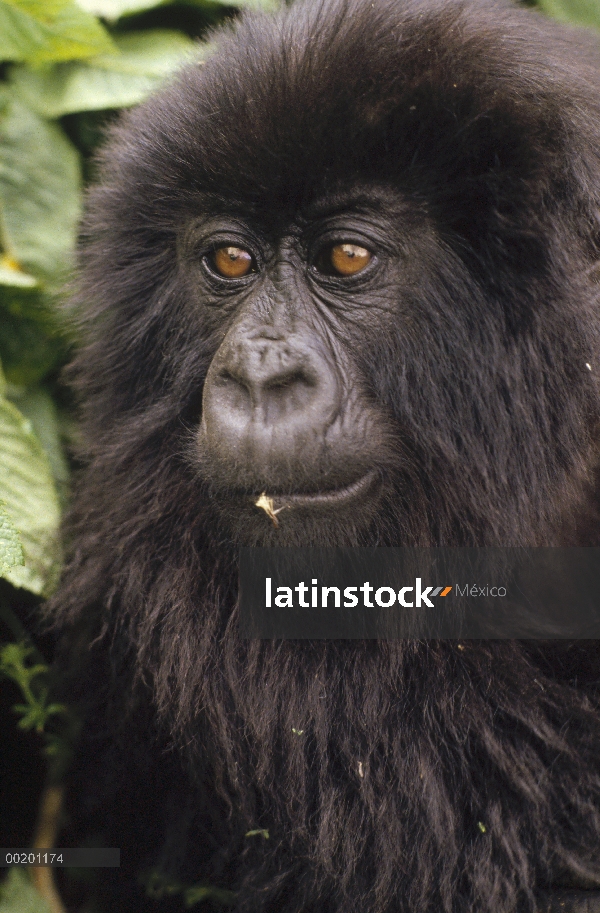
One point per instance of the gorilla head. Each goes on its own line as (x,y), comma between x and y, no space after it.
(347,271)
(370,243)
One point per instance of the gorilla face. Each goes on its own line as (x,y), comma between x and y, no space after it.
(288,408)
(359,370)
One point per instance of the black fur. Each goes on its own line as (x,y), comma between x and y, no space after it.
(477,127)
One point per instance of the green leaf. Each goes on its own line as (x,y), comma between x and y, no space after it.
(40,181)
(40,31)
(258,832)
(158,885)
(152,52)
(11,550)
(268,5)
(18,895)
(27,490)
(110,81)
(580,12)
(199,893)
(37,405)
(32,342)
(10,274)
(114,9)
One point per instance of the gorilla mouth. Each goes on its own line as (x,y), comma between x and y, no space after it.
(335,498)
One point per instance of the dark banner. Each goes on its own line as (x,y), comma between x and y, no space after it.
(389,593)
(79,858)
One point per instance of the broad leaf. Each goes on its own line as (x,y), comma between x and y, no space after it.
(582,12)
(268,5)
(39,191)
(114,9)
(36,404)
(110,81)
(40,31)
(29,496)
(32,341)
(12,275)
(11,550)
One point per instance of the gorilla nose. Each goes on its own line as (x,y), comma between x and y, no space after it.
(268,397)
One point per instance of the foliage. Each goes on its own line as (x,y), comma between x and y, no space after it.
(579,12)
(158,886)
(11,550)
(16,663)
(30,502)
(63,63)
(18,895)
(66,67)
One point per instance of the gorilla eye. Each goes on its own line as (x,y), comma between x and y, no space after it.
(343,260)
(232,262)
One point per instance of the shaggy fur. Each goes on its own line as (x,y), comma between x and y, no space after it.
(400,777)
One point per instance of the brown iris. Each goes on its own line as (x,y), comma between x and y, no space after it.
(232,262)
(344,259)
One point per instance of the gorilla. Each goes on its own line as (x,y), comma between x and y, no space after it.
(338,286)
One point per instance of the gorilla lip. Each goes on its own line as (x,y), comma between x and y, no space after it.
(337,497)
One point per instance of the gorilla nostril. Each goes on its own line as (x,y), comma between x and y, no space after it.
(266,332)
(290,379)
(226,376)
(286,396)
(233,392)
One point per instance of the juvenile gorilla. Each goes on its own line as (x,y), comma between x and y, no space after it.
(351,263)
